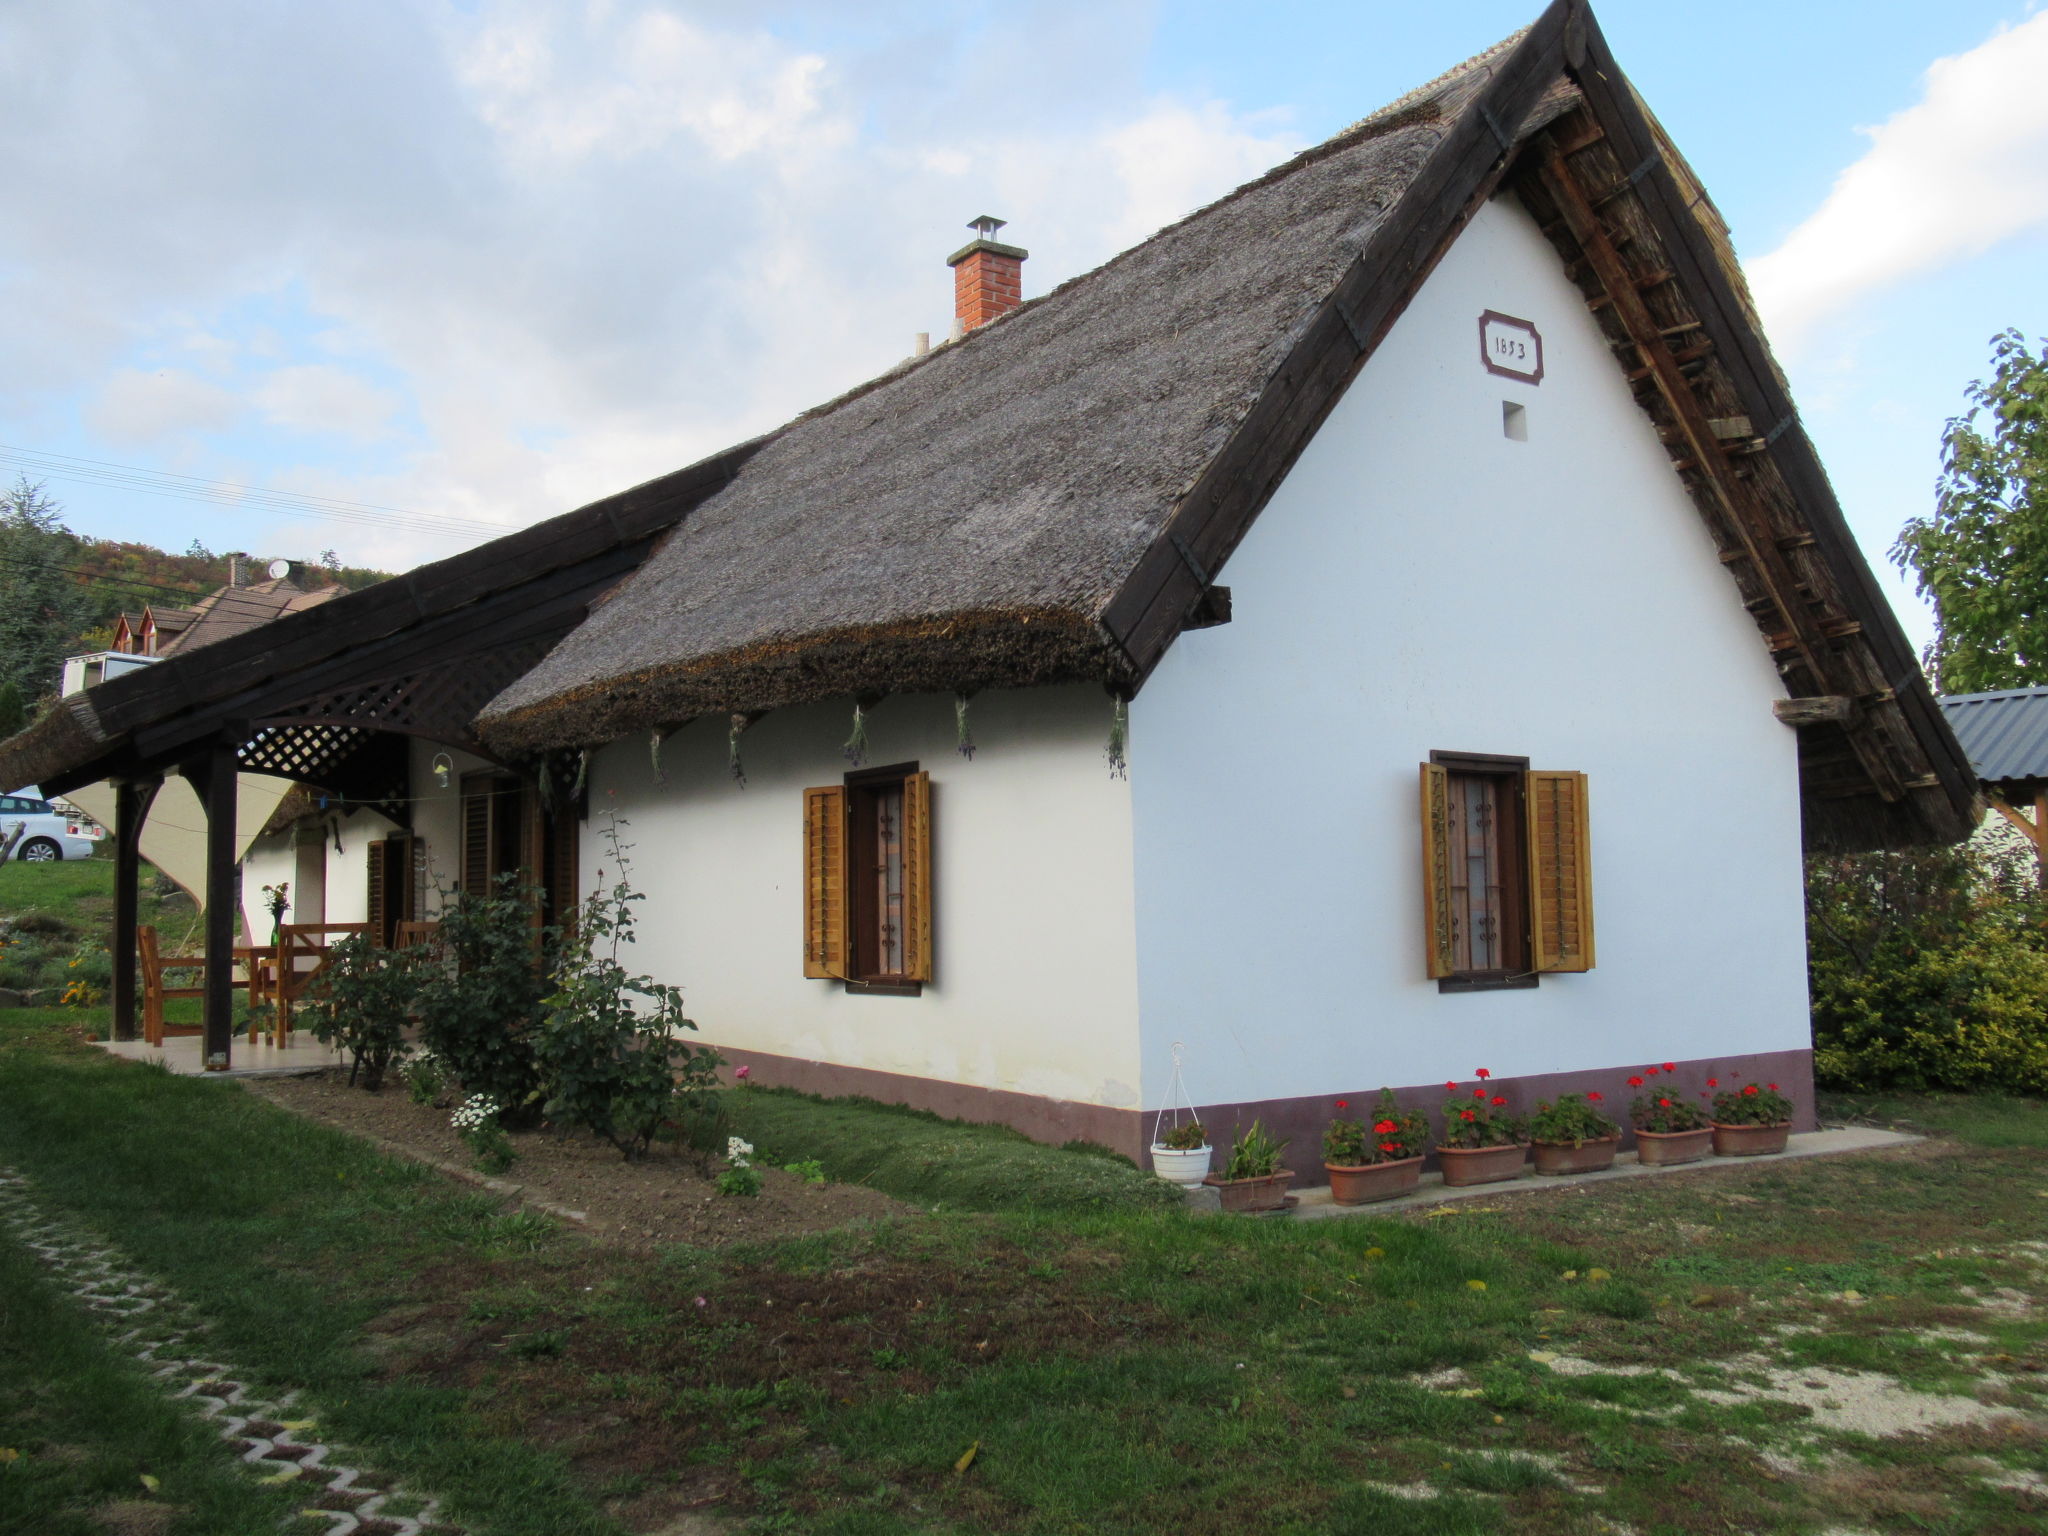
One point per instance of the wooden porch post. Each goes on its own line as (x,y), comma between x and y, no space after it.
(2035,831)
(2041,831)
(216,771)
(132,798)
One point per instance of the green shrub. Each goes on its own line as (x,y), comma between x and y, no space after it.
(607,1050)
(919,1157)
(480,1001)
(1929,969)
(362,1002)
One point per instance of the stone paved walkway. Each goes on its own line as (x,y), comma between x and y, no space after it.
(150,1322)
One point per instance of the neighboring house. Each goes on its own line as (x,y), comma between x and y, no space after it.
(1545,651)
(290,587)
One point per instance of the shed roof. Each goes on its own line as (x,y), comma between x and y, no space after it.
(2005,733)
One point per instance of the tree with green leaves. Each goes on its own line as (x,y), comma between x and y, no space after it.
(42,606)
(1982,557)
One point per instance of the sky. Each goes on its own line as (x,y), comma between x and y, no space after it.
(429,268)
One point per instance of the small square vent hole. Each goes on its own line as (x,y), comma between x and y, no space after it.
(1514,421)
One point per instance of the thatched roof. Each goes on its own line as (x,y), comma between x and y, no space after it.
(965,521)
(1047,499)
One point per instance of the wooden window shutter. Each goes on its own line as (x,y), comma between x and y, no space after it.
(476,839)
(1439,949)
(825,882)
(1560,872)
(562,856)
(380,882)
(917,877)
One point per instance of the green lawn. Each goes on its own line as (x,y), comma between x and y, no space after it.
(1534,1364)
(54,920)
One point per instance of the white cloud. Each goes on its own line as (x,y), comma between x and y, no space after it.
(582,244)
(1951,176)
(1176,158)
(137,409)
(316,397)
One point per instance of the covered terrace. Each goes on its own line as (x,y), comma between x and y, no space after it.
(327,698)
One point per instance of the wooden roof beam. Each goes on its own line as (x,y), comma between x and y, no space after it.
(1800,638)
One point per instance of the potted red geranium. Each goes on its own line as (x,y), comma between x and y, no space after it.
(1572,1136)
(1481,1144)
(1751,1121)
(1375,1160)
(1669,1127)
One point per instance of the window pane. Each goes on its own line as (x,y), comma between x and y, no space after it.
(889,880)
(1475,871)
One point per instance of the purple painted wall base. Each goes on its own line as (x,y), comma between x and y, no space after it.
(1298,1121)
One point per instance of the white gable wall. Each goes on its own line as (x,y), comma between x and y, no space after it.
(1420,582)
(1035,988)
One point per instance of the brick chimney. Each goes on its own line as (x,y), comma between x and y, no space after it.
(988,279)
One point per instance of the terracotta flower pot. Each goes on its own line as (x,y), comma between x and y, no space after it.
(1577,1157)
(1750,1140)
(1481,1165)
(1363,1183)
(1266,1194)
(1662,1149)
(1187,1168)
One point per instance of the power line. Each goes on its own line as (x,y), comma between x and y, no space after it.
(153,482)
(103,579)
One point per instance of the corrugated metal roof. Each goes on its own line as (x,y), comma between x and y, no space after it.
(2005,732)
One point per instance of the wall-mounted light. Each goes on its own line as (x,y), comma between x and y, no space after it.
(444,765)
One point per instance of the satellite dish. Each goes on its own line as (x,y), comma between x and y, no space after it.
(280,568)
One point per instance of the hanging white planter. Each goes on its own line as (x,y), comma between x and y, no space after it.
(1187,1169)
(1185,1166)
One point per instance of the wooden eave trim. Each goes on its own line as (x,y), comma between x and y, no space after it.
(158,710)
(1739,351)
(1464,169)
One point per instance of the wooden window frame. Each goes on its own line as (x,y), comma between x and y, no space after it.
(1511,842)
(842,904)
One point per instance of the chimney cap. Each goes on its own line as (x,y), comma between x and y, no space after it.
(985,226)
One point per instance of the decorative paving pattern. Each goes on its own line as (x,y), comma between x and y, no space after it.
(149,1321)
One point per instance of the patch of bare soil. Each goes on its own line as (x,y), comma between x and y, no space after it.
(660,1199)
(137,1517)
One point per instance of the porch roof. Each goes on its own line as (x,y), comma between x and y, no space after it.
(419,653)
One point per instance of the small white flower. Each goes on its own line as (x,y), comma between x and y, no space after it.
(476,1111)
(737,1152)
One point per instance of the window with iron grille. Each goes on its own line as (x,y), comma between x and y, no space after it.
(1507,871)
(867,880)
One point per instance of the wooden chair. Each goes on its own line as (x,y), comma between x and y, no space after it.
(154,989)
(414,933)
(302,955)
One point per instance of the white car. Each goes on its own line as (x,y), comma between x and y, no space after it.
(47,833)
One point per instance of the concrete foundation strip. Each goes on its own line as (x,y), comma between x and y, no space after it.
(150,1322)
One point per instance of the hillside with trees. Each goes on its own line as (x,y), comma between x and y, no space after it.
(60,591)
